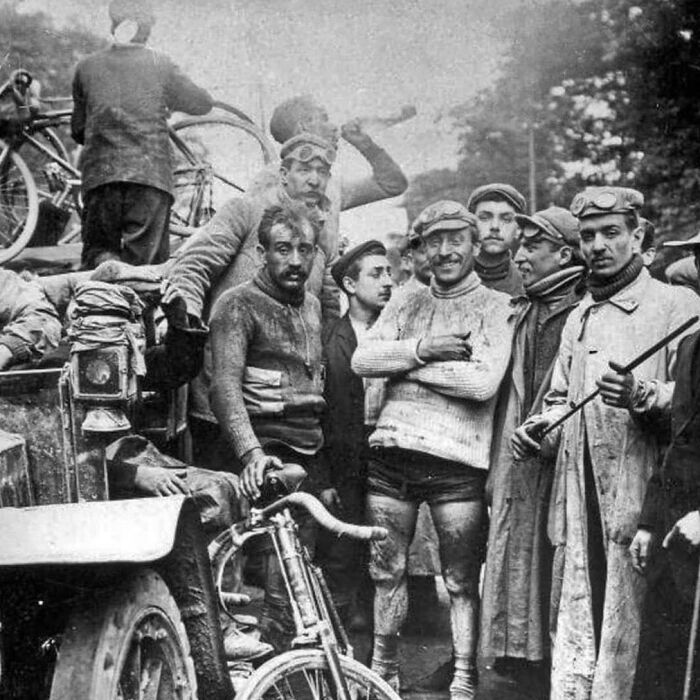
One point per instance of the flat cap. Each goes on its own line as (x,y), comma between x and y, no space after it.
(555,223)
(444,215)
(594,201)
(498,189)
(692,242)
(306,146)
(342,265)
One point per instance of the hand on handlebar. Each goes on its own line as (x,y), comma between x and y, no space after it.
(253,474)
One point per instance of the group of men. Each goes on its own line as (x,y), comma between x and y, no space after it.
(445,391)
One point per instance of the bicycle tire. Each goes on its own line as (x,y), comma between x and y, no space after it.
(19,206)
(268,679)
(216,158)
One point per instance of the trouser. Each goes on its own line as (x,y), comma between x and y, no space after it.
(345,560)
(126,221)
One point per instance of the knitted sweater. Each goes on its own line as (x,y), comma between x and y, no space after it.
(266,383)
(444,409)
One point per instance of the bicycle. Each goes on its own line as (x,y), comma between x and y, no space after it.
(35,166)
(321,663)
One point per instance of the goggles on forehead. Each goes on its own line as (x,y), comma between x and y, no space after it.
(606,201)
(531,230)
(308,151)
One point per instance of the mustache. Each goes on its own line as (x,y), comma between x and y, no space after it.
(442,259)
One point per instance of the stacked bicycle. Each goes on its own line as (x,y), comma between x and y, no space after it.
(320,664)
(214,158)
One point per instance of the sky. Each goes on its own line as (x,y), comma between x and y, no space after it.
(358,57)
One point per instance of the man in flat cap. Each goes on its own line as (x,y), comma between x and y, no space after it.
(608,449)
(515,619)
(223,254)
(444,350)
(122,97)
(495,207)
(364,275)
(665,548)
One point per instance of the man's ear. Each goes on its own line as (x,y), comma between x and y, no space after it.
(348,285)
(566,254)
(638,237)
(261,253)
(283,175)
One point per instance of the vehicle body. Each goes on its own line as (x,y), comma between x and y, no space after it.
(98,598)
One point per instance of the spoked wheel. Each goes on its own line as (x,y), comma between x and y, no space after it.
(19,206)
(216,158)
(303,674)
(130,646)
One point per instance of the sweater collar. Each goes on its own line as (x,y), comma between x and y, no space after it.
(555,286)
(495,269)
(264,282)
(468,284)
(603,289)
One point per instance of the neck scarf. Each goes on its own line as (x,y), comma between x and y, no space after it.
(493,271)
(603,289)
(264,282)
(556,285)
(464,286)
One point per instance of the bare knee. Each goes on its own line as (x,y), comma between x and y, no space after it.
(461,582)
(387,567)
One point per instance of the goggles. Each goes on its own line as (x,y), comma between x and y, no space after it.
(539,227)
(605,201)
(306,152)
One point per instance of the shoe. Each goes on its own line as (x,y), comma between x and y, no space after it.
(243,647)
(437,681)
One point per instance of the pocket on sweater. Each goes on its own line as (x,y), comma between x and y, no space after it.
(262,391)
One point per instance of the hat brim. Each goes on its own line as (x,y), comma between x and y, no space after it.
(692,242)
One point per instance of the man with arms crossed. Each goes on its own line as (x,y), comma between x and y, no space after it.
(444,350)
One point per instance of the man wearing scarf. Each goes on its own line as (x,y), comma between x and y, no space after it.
(267,385)
(514,619)
(607,450)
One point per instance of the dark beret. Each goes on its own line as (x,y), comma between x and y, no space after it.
(342,265)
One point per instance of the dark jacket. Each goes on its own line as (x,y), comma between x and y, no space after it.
(122,98)
(344,425)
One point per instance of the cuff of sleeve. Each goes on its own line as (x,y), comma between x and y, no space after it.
(641,394)
(18,347)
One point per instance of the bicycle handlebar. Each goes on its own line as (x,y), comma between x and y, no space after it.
(319,512)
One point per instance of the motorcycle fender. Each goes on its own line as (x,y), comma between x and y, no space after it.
(104,532)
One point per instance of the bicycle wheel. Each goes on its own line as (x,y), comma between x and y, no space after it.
(216,158)
(303,674)
(19,206)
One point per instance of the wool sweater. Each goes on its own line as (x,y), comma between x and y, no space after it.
(445,408)
(267,377)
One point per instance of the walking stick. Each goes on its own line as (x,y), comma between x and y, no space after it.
(693,639)
(627,368)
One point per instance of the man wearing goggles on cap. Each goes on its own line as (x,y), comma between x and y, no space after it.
(514,621)
(444,350)
(223,255)
(608,449)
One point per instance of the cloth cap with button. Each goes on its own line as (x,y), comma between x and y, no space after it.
(554,223)
(305,147)
(497,189)
(594,201)
(444,215)
(341,266)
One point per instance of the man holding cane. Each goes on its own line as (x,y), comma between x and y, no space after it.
(607,450)
(671,509)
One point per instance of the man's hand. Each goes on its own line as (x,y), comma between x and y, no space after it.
(352,132)
(686,531)
(159,481)
(640,550)
(253,474)
(330,499)
(443,348)
(5,357)
(525,440)
(616,388)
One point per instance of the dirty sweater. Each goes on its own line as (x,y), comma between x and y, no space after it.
(266,382)
(444,409)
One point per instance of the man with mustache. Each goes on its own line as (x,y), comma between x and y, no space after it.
(514,620)
(267,385)
(364,274)
(607,450)
(444,350)
(223,254)
(495,207)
